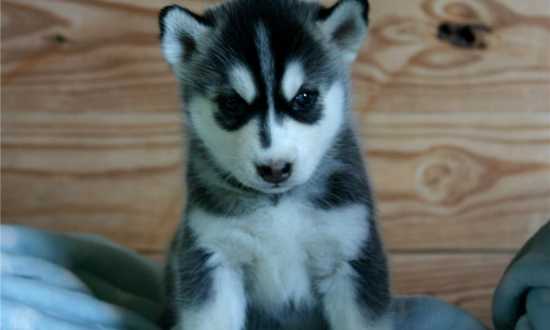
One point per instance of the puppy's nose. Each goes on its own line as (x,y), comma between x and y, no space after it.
(275,172)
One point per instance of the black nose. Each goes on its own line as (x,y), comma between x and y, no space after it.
(274,172)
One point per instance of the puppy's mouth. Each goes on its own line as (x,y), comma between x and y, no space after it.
(251,186)
(269,188)
(254,188)
(277,188)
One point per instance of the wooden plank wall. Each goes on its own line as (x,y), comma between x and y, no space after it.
(458,140)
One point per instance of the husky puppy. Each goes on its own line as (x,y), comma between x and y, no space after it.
(279,229)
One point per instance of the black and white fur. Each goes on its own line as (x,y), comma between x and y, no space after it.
(266,83)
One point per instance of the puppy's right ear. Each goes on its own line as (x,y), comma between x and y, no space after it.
(180,32)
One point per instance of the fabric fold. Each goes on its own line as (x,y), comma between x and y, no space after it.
(522,299)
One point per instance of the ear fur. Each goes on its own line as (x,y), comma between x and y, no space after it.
(345,26)
(180,31)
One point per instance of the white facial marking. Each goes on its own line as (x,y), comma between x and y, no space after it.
(293,79)
(242,82)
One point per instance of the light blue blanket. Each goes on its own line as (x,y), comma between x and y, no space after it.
(522,299)
(75,282)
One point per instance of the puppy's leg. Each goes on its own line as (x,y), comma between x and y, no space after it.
(223,309)
(344,308)
(357,296)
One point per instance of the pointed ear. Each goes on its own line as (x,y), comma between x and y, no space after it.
(345,26)
(180,31)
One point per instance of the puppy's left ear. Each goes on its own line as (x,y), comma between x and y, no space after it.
(345,26)
(180,32)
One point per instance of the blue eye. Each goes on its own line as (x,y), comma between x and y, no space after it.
(304,100)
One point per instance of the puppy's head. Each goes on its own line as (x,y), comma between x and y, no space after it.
(264,83)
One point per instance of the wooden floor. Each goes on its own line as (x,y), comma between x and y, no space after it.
(457,139)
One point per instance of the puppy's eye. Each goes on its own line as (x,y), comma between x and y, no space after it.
(304,100)
(231,104)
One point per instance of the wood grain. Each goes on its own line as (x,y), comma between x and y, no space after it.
(406,68)
(471,181)
(91,137)
(117,175)
(457,140)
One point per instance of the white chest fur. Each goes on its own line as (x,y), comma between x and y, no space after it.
(282,249)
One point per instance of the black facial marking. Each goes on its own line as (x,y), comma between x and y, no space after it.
(233,112)
(264,131)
